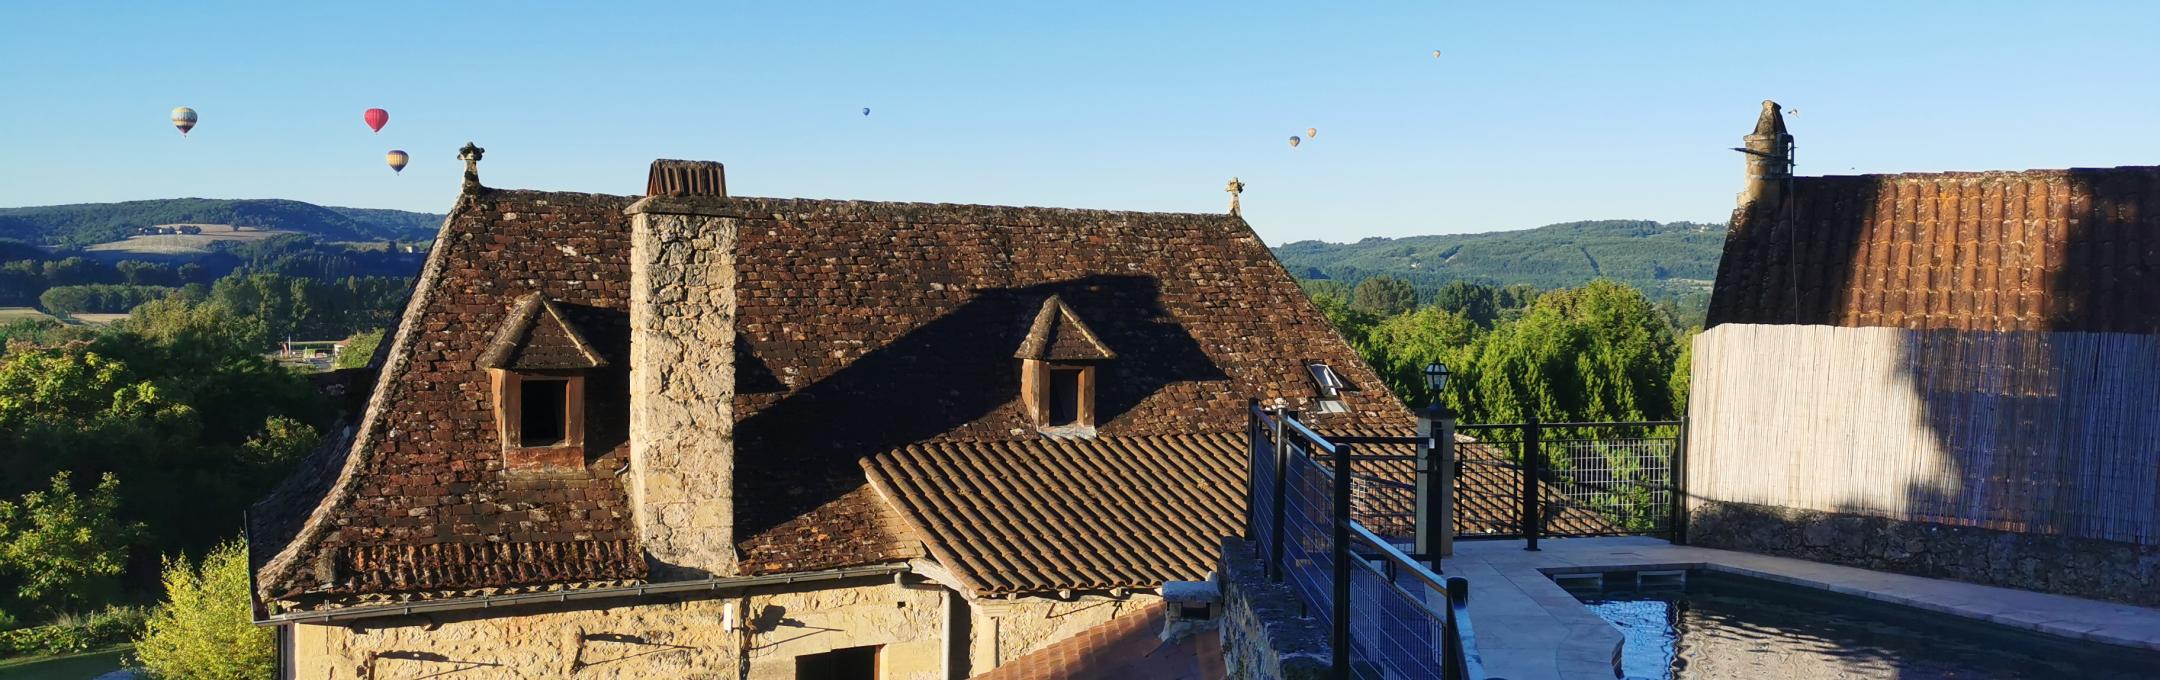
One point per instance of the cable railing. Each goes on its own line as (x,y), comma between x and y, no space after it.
(1535,480)
(1389,616)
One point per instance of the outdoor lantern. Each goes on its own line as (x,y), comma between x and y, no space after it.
(1435,376)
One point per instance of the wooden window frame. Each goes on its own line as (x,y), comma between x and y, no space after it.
(1036,399)
(569,453)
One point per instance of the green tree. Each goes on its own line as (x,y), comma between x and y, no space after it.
(64,549)
(204,629)
(1595,353)
(1400,347)
(1479,303)
(1383,296)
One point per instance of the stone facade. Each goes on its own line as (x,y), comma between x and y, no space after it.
(682,416)
(683,640)
(2105,570)
(1265,632)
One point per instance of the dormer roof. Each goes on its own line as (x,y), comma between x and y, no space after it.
(535,336)
(1059,335)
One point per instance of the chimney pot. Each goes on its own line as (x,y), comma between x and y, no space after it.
(686,178)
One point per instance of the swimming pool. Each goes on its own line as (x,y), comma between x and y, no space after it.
(1720,625)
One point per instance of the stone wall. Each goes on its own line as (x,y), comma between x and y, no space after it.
(2082,567)
(1265,632)
(682,640)
(682,416)
(1003,630)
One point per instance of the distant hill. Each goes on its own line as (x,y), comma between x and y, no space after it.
(1666,259)
(83,224)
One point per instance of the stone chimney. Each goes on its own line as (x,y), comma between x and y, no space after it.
(686,178)
(1769,158)
(682,373)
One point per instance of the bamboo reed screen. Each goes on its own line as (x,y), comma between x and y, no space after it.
(2035,432)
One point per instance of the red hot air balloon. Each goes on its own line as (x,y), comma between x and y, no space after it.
(376,118)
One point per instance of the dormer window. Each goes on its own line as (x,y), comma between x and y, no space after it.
(1059,359)
(1329,387)
(536,368)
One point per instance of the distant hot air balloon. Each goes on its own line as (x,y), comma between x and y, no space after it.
(183,118)
(1312,132)
(376,118)
(397,160)
(1294,141)
(866,110)
(1436,54)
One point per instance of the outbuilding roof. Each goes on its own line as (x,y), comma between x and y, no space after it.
(2038,250)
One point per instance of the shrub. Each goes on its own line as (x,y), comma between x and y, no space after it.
(65,548)
(72,633)
(204,628)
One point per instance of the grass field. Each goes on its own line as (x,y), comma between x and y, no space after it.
(70,667)
(183,244)
(12,314)
(98,319)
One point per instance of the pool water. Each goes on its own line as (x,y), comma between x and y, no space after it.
(1725,626)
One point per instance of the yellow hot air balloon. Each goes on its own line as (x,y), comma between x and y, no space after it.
(1312,132)
(183,118)
(1294,141)
(397,160)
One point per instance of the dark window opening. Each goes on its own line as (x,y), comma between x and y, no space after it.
(1330,383)
(1064,397)
(852,663)
(542,411)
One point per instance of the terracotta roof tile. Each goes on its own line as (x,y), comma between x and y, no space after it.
(1127,647)
(2061,250)
(1085,514)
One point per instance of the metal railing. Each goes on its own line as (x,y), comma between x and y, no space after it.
(1535,480)
(1389,616)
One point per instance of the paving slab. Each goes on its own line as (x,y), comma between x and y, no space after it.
(1529,628)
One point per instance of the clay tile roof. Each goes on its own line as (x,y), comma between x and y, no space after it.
(535,336)
(1058,335)
(1127,647)
(1085,514)
(2038,250)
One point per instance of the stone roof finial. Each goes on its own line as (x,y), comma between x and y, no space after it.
(1235,187)
(471,155)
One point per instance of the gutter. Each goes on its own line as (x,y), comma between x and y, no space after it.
(729,583)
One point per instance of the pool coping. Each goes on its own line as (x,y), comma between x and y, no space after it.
(1529,627)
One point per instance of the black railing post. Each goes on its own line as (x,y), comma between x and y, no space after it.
(1533,472)
(1454,664)
(1282,469)
(1342,557)
(1679,485)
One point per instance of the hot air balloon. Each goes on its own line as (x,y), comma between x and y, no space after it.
(183,118)
(866,110)
(1294,141)
(397,160)
(376,118)
(1436,54)
(1312,132)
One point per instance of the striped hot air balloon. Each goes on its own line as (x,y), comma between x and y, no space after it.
(397,160)
(376,118)
(183,118)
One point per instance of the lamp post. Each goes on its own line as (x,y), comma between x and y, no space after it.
(1436,472)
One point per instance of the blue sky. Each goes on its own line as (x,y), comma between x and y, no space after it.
(1535,113)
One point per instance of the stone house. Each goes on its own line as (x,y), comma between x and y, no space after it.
(700,436)
(1952,374)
